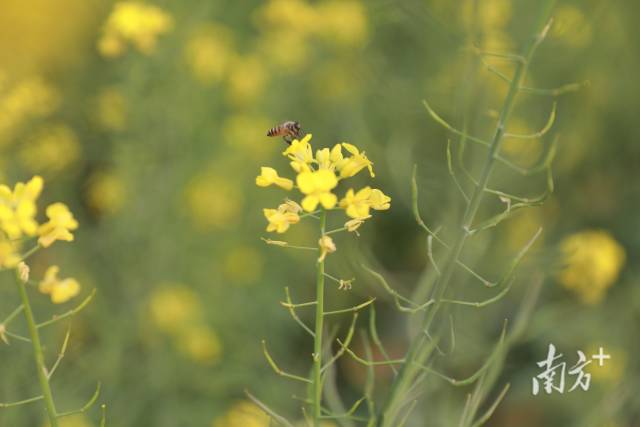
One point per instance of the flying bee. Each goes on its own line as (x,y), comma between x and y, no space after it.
(289,131)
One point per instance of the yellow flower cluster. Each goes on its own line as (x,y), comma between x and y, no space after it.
(18,211)
(593,262)
(133,22)
(18,219)
(317,177)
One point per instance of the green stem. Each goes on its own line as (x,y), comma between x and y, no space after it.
(317,342)
(418,352)
(38,355)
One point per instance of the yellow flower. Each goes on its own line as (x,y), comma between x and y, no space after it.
(593,262)
(323,158)
(269,176)
(357,204)
(317,186)
(300,151)
(243,414)
(61,223)
(329,159)
(379,201)
(352,165)
(279,220)
(134,22)
(327,246)
(18,208)
(60,290)
(9,255)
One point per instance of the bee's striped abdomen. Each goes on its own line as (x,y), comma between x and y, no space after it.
(289,129)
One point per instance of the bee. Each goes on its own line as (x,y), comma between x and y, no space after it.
(288,130)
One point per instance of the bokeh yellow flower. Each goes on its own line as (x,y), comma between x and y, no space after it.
(343,22)
(27,99)
(276,48)
(208,53)
(60,290)
(18,208)
(133,22)
(280,219)
(246,79)
(243,414)
(317,186)
(593,263)
(50,149)
(269,176)
(172,307)
(200,344)
(61,223)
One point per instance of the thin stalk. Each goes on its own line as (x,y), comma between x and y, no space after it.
(317,339)
(418,352)
(38,355)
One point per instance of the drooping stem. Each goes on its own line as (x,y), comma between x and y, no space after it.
(37,354)
(317,342)
(418,352)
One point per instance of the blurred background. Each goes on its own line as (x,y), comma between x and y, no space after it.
(149,120)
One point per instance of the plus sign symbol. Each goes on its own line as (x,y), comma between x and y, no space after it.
(601,357)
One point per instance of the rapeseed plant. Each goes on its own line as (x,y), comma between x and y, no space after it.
(317,178)
(19,226)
